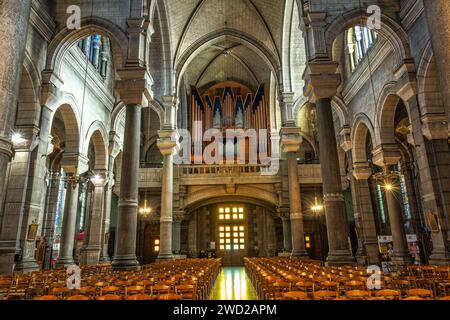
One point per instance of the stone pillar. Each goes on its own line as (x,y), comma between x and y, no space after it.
(176,234)
(368,253)
(91,251)
(125,245)
(321,85)
(14,16)
(336,217)
(166,144)
(290,140)
(50,215)
(104,257)
(68,224)
(429,138)
(192,235)
(437,13)
(401,255)
(270,233)
(287,237)
(386,156)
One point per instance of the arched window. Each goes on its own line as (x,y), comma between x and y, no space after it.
(97,49)
(358,42)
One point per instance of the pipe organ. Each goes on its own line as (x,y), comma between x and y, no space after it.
(230,105)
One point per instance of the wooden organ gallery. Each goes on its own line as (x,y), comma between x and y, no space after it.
(227,106)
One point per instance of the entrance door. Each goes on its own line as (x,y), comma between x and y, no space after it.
(232,234)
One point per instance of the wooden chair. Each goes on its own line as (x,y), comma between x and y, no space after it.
(88,291)
(305,286)
(414,298)
(388,294)
(355,285)
(60,292)
(401,285)
(329,286)
(357,294)
(133,290)
(423,293)
(325,295)
(110,290)
(5,285)
(187,292)
(109,297)
(44,298)
(139,297)
(78,298)
(169,296)
(295,295)
(159,290)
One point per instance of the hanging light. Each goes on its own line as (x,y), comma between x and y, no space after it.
(317,207)
(146,210)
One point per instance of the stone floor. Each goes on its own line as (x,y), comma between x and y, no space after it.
(233,284)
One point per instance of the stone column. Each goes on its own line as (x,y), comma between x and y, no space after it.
(437,13)
(321,85)
(192,235)
(387,156)
(125,245)
(287,237)
(270,233)
(90,254)
(290,141)
(68,224)
(104,257)
(50,215)
(14,16)
(176,235)
(368,253)
(401,255)
(166,144)
(429,137)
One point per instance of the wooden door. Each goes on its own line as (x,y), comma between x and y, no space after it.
(232,234)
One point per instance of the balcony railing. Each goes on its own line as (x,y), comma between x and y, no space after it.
(222,170)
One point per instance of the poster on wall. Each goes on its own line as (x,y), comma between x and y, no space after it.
(386,249)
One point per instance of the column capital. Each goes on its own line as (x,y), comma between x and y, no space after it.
(100,178)
(75,163)
(346,138)
(167,142)
(170,104)
(179,216)
(6,147)
(435,126)
(286,100)
(321,80)
(362,170)
(134,86)
(291,139)
(386,154)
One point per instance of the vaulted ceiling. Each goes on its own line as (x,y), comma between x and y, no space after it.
(237,38)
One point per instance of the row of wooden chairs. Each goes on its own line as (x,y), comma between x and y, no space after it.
(274,278)
(189,279)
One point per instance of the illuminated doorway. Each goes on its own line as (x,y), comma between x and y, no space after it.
(232,234)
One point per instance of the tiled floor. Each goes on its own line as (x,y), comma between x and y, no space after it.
(233,284)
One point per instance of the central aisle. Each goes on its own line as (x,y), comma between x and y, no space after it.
(233,284)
